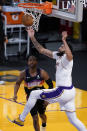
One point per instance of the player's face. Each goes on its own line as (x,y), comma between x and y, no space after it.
(61,49)
(32,62)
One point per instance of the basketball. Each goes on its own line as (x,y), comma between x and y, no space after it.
(27,20)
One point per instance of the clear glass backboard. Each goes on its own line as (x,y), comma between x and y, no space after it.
(71,10)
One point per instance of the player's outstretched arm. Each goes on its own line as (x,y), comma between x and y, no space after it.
(39,47)
(67,49)
(17,85)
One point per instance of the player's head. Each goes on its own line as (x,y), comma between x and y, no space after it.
(61,49)
(32,61)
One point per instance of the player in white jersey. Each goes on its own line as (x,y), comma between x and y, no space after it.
(64,93)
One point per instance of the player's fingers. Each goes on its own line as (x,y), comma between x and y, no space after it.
(27,28)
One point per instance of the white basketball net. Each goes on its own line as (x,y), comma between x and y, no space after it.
(36,14)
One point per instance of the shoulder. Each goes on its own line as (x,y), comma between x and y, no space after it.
(66,62)
(23,72)
(21,76)
(55,56)
(64,57)
(43,72)
(44,75)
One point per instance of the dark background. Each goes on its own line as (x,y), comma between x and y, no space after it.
(79,73)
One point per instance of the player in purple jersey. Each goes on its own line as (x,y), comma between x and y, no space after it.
(34,79)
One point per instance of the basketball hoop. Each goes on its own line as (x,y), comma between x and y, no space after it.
(36,10)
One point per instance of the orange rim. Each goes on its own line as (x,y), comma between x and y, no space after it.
(46,6)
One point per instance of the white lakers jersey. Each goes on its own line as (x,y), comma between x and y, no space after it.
(63,70)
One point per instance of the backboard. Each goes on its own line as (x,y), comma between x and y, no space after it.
(71,10)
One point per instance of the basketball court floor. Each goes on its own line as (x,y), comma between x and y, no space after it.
(56,120)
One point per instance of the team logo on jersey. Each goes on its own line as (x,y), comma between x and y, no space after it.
(43,96)
(38,77)
(28,77)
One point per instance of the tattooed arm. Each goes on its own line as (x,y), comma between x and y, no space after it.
(39,47)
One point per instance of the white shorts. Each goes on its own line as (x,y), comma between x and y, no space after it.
(65,96)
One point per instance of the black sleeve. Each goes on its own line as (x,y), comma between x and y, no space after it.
(49,83)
